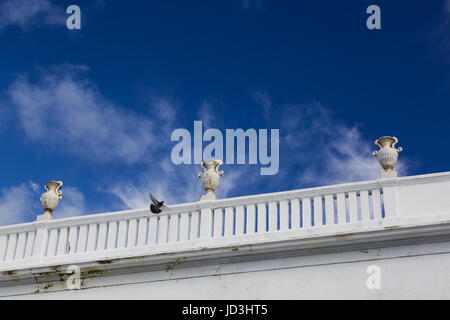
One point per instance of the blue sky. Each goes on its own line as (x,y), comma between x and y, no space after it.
(96,107)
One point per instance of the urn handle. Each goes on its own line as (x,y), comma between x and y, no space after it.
(218,164)
(199,175)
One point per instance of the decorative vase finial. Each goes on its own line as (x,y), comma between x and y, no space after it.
(210,178)
(387,155)
(51,198)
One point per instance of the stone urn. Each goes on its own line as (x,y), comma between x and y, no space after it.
(210,178)
(51,198)
(387,155)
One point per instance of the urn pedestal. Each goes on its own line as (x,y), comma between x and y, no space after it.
(387,155)
(210,178)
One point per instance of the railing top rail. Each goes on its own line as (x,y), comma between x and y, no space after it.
(223,203)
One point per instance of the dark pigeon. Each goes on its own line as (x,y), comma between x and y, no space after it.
(156,206)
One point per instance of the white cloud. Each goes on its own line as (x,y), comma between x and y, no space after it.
(206,114)
(24,13)
(19,204)
(165,110)
(172,186)
(72,204)
(179,185)
(319,149)
(66,113)
(326,150)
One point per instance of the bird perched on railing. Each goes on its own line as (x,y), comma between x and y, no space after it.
(156,206)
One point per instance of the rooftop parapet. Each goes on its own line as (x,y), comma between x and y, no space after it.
(329,216)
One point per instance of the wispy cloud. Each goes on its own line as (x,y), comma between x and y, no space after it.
(65,112)
(319,146)
(74,204)
(325,149)
(176,184)
(24,13)
(19,204)
(442,32)
(206,115)
(173,186)
(263,99)
(16,203)
(68,114)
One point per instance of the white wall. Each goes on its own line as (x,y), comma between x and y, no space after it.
(408,272)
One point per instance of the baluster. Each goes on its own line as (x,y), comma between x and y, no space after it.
(102,234)
(295,214)
(251,219)
(229,221)
(163,228)
(132,233)
(11,250)
(318,211)
(62,241)
(262,218)
(92,238)
(284,215)
(376,200)
(365,208)
(307,219)
(112,235)
(218,223)
(82,238)
(184,226)
(273,216)
(21,243)
(206,223)
(122,234)
(353,207)
(73,238)
(240,220)
(195,221)
(30,244)
(52,243)
(142,233)
(329,210)
(152,229)
(341,208)
(3,245)
(173,228)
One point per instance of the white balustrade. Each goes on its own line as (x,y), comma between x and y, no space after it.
(233,219)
